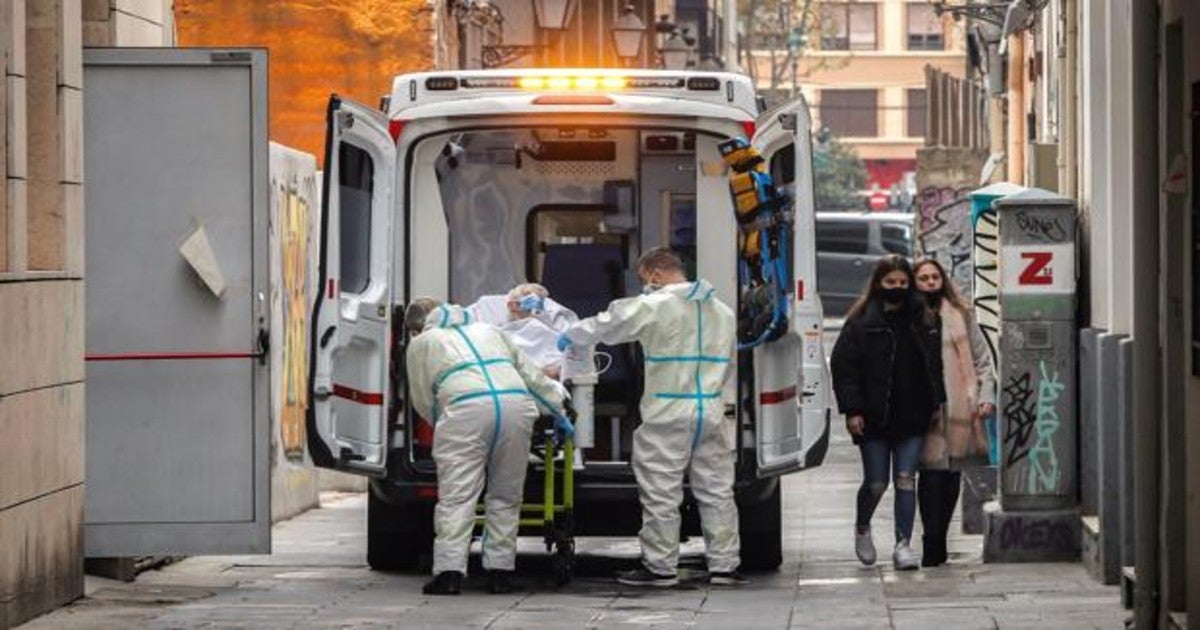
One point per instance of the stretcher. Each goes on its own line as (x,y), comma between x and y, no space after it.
(553,513)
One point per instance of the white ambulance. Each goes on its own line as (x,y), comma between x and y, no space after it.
(475,181)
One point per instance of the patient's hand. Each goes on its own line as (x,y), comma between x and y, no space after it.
(552,371)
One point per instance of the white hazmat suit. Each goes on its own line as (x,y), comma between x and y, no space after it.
(688,338)
(482,395)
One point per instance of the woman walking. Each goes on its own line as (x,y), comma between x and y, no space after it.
(887,375)
(957,436)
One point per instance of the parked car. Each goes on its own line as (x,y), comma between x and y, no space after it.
(848,244)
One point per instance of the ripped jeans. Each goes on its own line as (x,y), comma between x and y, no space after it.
(877,457)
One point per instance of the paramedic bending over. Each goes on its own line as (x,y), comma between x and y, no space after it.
(687,335)
(531,319)
(482,395)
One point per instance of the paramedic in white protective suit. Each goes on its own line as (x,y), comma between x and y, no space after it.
(531,319)
(688,338)
(482,395)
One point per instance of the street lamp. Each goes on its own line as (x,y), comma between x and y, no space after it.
(553,15)
(675,53)
(627,33)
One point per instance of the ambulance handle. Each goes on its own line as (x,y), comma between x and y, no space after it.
(325,336)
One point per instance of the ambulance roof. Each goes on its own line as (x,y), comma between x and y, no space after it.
(529,90)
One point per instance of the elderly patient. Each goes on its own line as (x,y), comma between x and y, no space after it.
(531,319)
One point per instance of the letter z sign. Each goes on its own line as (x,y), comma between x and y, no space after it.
(1037,269)
(1048,268)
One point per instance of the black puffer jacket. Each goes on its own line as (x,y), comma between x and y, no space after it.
(895,384)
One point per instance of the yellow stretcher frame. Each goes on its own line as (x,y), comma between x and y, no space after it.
(556,519)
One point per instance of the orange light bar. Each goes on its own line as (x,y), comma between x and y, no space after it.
(586,83)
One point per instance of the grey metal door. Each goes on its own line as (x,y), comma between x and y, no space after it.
(177,397)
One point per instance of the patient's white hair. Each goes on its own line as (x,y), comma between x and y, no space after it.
(529,288)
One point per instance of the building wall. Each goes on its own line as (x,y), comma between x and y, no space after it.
(317,47)
(41,293)
(892,69)
(1184,258)
(128,23)
(41,310)
(587,42)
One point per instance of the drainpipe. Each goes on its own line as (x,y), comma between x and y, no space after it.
(1147,420)
(1068,101)
(1016,109)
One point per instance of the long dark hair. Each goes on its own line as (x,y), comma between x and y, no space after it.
(870,293)
(949,290)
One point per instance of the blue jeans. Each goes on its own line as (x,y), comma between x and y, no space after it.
(902,458)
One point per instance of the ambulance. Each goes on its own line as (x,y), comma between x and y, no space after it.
(466,183)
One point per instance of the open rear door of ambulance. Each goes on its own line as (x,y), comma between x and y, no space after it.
(348,379)
(791,374)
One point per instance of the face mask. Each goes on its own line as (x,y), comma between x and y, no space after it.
(895,295)
(932,297)
(650,288)
(532,303)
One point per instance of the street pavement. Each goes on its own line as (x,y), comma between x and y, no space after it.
(317,578)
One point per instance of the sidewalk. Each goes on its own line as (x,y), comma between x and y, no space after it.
(835,591)
(316,578)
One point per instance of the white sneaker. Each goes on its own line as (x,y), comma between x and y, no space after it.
(904,558)
(864,547)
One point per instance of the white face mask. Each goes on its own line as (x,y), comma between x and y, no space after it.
(650,288)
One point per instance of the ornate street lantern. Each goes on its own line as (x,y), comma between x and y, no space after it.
(627,32)
(554,15)
(675,53)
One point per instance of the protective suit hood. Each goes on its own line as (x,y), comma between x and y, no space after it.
(446,316)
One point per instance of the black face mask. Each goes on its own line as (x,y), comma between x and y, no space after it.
(933,298)
(894,295)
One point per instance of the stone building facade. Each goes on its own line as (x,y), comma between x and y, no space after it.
(42,288)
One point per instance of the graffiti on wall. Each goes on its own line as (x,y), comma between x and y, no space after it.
(985,295)
(944,231)
(295,196)
(1032,421)
(1038,534)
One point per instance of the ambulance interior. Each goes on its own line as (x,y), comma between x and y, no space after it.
(570,207)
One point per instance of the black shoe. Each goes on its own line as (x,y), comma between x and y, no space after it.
(501,583)
(645,577)
(727,578)
(444,583)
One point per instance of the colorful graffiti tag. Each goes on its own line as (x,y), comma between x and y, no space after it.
(295,196)
(1032,421)
(944,231)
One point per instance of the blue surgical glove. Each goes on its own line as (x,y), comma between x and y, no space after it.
(564,342)
(532,303)
(563,429)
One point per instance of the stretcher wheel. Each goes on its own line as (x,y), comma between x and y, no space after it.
(563,563)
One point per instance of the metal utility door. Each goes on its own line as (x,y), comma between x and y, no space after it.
(177,394)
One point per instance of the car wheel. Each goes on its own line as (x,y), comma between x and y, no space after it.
(399,537)
(761,531)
